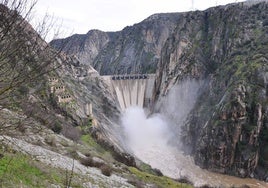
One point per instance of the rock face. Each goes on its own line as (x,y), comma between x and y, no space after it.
(135,49)
(226,46)
(85,47)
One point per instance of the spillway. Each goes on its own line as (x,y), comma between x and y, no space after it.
(132,90)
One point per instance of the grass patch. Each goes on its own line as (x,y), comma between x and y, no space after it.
(96,149)
(160,181)
(18,170)
(89,141)
(148,169)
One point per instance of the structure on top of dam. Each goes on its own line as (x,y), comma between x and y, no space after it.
(132,90)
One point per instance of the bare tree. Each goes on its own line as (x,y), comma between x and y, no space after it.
(23,54)
(25,58)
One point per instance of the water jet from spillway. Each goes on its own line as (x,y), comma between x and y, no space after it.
(144,133)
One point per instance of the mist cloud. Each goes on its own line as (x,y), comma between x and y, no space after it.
(143,133)
(148,138)
(180,100)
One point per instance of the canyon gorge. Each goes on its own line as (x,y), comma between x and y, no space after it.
(182,95)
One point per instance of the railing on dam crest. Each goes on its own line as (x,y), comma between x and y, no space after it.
(130,77)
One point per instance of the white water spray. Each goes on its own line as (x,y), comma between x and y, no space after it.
(144,134)
(148,139)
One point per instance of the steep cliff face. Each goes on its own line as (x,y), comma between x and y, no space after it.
(135,49)
(227,47)
(85,46)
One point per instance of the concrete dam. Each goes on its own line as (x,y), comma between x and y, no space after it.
(132,90)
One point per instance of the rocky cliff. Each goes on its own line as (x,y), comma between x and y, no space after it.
(135,49)
(226,47)
(86,47)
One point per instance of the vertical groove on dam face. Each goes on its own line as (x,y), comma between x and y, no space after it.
(119,93)
(141,92)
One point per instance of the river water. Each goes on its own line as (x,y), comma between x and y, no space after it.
(148,139)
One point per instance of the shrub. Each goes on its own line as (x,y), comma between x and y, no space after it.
(106,170)
(87,154)
(87,161)
(23,90)
(157,172)
(148,169)
(244,186)
(56,127)
(90,162)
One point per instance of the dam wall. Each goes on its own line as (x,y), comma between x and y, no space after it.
(132,90)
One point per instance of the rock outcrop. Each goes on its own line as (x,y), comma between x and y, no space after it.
(226,46)
(86,47)
(135,49)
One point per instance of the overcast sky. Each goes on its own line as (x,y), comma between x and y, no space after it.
(80,16)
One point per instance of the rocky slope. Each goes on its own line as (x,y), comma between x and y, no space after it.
(226,47)
(135,49)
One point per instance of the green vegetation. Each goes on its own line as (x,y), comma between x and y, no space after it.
(160,181)
(148,169)
(19,170)
(89,141)
(56,127)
